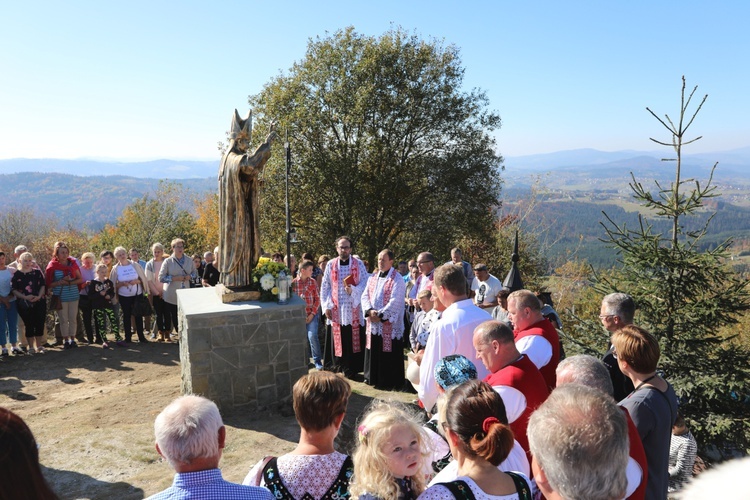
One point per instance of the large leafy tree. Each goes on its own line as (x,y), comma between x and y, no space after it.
(387,146)
(685,296)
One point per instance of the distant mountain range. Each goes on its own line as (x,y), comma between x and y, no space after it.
(90,193)
(593,164)
(156,169)
(731,163)
(588,157)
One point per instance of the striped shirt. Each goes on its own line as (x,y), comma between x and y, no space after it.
(67,293)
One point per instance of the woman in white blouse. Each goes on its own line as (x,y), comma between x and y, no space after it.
(129,281)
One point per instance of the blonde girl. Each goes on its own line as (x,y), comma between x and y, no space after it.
(390,456)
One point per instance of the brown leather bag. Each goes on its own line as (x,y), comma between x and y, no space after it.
(55,304)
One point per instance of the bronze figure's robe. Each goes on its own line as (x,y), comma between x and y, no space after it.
(239,231)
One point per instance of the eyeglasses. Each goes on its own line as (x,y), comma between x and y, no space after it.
(344,248)
(605,316)
(423,261)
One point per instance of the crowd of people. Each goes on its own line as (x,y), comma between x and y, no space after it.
(512,337)
(94,301)
(500,412)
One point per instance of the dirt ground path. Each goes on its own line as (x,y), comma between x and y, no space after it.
(92,412)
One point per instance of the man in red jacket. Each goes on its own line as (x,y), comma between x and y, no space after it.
(512,375)
(535,335)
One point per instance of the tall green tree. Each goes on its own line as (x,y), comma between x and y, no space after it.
(387,146)
(684,296)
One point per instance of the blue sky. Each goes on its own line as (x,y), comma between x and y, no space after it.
(146,80)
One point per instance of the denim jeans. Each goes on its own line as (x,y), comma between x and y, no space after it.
(312,337)
(9,324)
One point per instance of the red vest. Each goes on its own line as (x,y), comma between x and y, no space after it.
(525,377)
(546,329)
(638,454)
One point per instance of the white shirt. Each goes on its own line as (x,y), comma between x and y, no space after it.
(437,492)
(537,348)
(127,273)
(453,334)
(487,295)
(516,461)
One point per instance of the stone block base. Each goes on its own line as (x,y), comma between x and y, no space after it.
(241,354)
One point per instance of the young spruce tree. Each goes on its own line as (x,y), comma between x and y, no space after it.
(684,294)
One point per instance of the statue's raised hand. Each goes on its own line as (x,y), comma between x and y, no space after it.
(272,134)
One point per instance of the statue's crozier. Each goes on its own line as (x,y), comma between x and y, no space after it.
(239,231)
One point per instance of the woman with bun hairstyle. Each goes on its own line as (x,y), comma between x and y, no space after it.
(479,442)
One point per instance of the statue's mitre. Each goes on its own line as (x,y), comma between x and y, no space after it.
(241,127)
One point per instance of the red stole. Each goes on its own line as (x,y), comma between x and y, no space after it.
(430,279)
(387,327)
(335,322)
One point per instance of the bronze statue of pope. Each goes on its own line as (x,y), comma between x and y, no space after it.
(239,218)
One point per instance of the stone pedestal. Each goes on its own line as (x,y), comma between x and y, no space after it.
(241,354)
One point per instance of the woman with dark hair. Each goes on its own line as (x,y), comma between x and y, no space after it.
(62,279)
(195,281)
(479,442)
(20,473)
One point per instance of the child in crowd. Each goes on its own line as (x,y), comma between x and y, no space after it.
(307,288)
(390,457)
(101,294)
(682,450)
(420,329)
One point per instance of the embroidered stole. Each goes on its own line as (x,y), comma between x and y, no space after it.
(387,327)
(428,286)
(335,323)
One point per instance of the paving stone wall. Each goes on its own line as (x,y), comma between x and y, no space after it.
(241,355)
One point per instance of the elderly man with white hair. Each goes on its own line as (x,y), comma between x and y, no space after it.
(191,436)
(579,444)
(591,372)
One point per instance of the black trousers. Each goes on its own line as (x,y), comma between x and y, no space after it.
(84,307)
(126,303)
(349,363)
(385,370)
(172,313)
(163,318)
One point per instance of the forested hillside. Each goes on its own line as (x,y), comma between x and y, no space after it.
(574,227)
(84,202)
